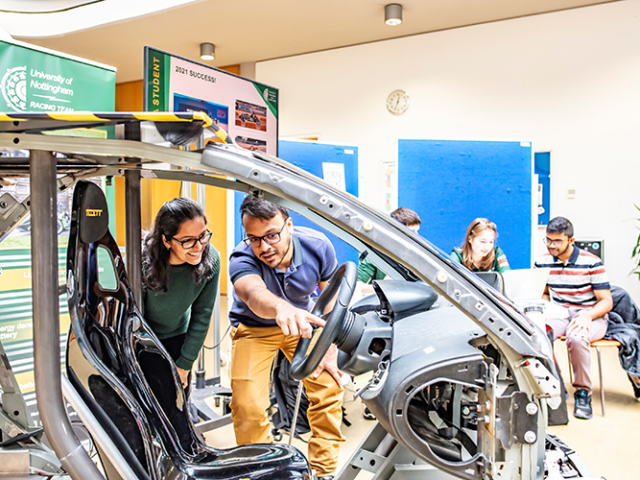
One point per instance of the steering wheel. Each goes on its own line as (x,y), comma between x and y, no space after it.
(343,282)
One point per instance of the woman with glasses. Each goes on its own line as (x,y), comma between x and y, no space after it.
(180,273)
(479,252)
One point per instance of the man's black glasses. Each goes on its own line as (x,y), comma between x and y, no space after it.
(269,238)
(188,244)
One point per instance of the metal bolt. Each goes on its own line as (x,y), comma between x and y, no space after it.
(465,411)
(532,408)
(487,406)
(3,205)
(442,277)
(484,419)
(530,437)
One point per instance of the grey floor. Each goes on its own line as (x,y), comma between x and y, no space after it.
(608,444)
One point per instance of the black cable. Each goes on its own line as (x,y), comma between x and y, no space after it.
(66,9)
(218,344)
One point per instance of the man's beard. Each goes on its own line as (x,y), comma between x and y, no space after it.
(563,252)
(285,254)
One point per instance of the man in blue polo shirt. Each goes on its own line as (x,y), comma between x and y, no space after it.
(577,281)
(274,271)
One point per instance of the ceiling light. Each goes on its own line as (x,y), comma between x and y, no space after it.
(393,14)
(207,51)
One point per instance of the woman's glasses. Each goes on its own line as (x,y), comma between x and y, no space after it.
(202,239)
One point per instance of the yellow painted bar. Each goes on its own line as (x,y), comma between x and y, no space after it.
(76,116)
(110,116)
(8,118)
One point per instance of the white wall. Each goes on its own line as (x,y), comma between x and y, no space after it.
(570,81)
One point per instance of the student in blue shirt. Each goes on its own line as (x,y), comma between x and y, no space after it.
(274,271)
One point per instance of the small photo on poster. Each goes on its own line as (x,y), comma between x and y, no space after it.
(252,144)
(250,115)
(218,113)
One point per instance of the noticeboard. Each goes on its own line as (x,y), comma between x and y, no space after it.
(40,80)
(35,80)
(245,109)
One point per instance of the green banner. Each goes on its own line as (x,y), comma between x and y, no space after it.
(158,81)
(270,96)
(35,81)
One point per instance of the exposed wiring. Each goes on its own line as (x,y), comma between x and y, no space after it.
(93,451)
(65,9)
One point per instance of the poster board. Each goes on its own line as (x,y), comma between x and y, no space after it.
(33,79)
(245,109)
(40,80)
(449,183)
(336,164)
(543,171)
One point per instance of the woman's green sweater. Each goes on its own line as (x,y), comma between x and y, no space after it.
(186,307)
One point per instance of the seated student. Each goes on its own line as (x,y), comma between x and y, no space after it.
(367,271)
(479,252)
(180,273)
(578,281)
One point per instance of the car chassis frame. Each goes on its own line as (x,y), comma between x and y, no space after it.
(56,163)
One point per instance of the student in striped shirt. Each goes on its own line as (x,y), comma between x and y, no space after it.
(577,281)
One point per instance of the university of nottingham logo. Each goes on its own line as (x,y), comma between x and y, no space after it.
(14,88)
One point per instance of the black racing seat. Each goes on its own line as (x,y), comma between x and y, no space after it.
(129,381)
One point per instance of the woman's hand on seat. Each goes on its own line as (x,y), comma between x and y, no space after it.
(184,376)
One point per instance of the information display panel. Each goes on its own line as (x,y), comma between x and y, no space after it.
(246,110)
(35,79)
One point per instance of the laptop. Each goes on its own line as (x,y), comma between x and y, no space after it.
(525,285)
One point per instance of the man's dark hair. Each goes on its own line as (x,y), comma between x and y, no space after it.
(406,216)
(262,209)
(560,225)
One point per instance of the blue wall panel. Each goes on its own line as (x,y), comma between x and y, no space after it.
(449,183)
(543,170)
(309,156)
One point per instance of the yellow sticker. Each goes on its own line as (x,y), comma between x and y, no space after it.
(93,212)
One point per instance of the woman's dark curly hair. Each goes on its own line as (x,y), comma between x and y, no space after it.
(155,256)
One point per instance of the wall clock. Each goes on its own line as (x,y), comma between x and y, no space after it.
(398,102)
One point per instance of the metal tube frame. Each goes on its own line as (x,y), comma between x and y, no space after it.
(96,430)
(133,233)
(601,384)
(46,320)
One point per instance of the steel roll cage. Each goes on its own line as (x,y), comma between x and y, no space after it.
(229,167)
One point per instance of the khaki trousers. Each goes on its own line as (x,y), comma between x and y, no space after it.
(579,347)
(253,351)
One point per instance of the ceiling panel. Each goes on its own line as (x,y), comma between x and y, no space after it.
(254,30)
